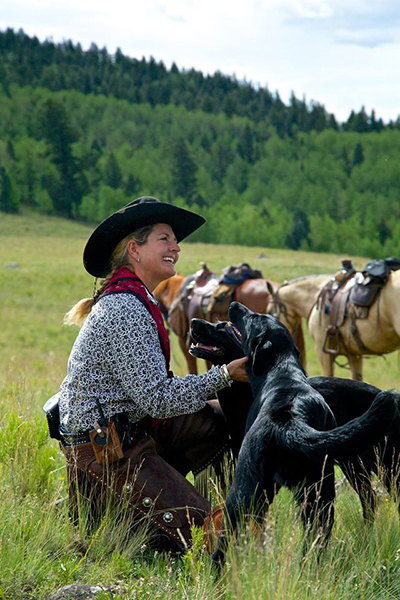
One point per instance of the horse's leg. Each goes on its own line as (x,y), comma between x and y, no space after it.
(190,360)
(355,362)
(298,337)
(326,361)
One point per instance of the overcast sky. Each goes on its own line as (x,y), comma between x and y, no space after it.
(344,54)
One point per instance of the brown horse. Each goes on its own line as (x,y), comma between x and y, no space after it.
(253,293)
(166,293)
(377,334)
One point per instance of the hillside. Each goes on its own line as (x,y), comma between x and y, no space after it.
(277,177)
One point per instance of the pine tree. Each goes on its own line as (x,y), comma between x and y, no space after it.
(184,171)
(9,201)
(246,145)
(58,133)
(132,185)
(112,172)
(358,156)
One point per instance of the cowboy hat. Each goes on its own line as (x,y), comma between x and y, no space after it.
(138,213)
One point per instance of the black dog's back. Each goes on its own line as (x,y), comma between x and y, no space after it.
(346,399)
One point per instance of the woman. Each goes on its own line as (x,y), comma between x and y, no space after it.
(127,424)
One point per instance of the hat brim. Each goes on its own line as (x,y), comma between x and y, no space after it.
(104,239)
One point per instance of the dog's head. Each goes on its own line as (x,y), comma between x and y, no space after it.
(219,343)
(264,339)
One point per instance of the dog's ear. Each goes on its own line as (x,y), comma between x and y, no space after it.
(259,355)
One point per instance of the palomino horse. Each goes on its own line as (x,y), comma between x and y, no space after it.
(377,334)
(293,301)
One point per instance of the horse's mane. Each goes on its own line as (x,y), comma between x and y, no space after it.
(304,277)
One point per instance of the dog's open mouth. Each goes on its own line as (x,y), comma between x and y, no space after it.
(207,344)
(212,350)
(234,332)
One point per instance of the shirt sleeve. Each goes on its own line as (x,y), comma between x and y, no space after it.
(136,360)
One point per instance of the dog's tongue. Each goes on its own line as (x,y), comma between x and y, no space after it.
(203,347)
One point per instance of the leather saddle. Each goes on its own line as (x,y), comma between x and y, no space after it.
(192,300)
(230,279)
(352,292)
(333,301)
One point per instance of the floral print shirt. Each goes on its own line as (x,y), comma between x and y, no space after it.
(117,358)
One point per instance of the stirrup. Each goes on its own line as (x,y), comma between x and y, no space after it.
(331,343)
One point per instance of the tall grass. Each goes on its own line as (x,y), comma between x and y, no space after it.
(41,277)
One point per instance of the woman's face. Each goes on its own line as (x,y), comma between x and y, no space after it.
(155,260)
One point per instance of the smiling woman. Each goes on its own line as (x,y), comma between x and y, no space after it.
(127,425)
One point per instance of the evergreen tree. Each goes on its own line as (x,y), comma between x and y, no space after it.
(358,156)
(112,172)
(132,185)
(10,149)
(184,171)
(246,145)
(57,130)
(299,231)
(9,201)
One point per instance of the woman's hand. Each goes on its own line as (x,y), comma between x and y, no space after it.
(236,369)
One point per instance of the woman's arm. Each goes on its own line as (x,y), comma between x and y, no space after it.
(136,359)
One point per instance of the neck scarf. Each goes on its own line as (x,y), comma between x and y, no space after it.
(124,281)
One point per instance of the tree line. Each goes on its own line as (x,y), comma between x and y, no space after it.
(83,155)
(66,66)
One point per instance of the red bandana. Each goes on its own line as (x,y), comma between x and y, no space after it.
(124,281)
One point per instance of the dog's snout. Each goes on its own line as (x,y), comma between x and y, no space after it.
(236,311)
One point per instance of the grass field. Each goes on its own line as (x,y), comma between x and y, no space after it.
(41,278)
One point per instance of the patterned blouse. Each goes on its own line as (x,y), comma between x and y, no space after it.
(117,358)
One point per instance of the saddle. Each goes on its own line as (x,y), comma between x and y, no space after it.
(352,293)
(333,300)
(373,278)
(192,300)
(230,279)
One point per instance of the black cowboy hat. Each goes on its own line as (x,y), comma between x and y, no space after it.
(138,213)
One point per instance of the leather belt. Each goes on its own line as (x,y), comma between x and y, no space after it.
(125,430)
(74,439)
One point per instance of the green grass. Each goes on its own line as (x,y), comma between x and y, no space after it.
(41,551)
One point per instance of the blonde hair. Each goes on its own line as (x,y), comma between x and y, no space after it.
(119,258)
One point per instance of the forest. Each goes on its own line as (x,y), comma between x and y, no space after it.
(84,132)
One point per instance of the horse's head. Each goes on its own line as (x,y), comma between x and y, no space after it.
(279,309)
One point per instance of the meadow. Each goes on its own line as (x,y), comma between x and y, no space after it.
(42,276)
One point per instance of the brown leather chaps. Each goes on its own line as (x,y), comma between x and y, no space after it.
(150,478)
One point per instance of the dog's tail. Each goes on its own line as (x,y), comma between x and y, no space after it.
(351,439)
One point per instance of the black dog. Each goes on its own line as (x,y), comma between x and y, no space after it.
(220,343)
(292,436)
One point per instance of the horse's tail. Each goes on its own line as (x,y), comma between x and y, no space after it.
(298,338)
(350,439)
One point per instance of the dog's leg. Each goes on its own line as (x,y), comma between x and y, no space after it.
(359,476)
(246,495)
(390,465)
(316,499)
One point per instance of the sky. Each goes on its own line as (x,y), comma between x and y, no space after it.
(344,54)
